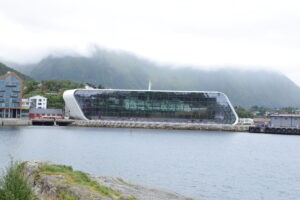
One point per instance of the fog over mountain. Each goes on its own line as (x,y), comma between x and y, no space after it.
(4,70)
(120,69)
(260,34)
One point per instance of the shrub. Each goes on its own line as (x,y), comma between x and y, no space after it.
(63,195)
(13,184)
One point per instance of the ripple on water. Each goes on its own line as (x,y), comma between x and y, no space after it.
(205,165)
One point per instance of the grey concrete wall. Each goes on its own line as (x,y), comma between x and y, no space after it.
(14,122)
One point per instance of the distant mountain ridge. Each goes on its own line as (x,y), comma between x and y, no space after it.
(4,70)
(116,69)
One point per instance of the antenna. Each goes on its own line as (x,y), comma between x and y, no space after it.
(149,85)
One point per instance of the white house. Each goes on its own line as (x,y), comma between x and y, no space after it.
(35,102)
(38,102)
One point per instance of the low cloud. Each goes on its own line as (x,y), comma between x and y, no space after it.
(247,34)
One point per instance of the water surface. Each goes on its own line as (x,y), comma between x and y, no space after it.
(204,165)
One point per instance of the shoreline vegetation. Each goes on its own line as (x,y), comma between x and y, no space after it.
(13,183)
(39,180)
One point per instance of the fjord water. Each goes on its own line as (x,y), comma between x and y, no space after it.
(204,165)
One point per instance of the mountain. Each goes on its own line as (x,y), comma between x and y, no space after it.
(117,69)
(4,69)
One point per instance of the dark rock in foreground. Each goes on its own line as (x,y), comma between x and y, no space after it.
(55,182)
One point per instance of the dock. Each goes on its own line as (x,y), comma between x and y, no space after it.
(35,122)
(278,130)
(51,122)
(15,122)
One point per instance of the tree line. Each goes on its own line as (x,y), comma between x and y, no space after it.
(260,111)
(51,89)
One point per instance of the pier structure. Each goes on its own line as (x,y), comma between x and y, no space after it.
(287,124)
(35,122)
(277,130)
(15,122)
(52,122)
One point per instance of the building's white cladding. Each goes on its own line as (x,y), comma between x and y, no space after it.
(72,108)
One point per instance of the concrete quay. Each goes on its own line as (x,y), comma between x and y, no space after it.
(15,122)
(160,125)
(34,122)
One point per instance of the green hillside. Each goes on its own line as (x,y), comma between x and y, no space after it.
(117,69)
(4,69)
(51,89)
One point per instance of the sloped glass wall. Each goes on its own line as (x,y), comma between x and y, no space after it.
(175,106)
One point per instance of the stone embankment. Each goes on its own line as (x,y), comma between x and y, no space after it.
(160,125)
(125,124)
(57,182)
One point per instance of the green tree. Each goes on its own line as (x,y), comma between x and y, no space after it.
(243,113)
(290,110)
(51,89)
(30,86)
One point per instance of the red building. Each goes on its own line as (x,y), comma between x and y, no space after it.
(37,113)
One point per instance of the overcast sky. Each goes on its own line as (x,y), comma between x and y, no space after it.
(210,33)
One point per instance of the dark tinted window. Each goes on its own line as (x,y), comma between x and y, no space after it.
(155,106)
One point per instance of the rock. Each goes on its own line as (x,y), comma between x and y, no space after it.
(139,191)
(54,184)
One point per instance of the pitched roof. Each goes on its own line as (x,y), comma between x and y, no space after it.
(45,111)
(37,96)
(11,74)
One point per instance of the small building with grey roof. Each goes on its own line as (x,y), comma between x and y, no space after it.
(37,113)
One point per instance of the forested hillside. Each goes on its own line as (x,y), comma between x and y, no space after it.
(51,89)
(117,69)
(4,69)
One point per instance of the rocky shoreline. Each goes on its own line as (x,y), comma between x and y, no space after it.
(59,182)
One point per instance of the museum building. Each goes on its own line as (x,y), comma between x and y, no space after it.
(150,105)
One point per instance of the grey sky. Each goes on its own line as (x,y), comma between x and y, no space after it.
(257,33)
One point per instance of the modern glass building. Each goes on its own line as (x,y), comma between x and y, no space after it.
(11,87)
(153,105)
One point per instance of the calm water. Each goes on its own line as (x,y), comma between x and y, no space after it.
(205,165)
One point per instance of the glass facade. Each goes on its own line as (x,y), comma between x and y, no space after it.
(10,91)
(175,106)
(14,113)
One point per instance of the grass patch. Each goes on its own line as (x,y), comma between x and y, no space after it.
(63,195)
(77,177)
(122,181)
(131,198)
(128,198)
(13,184)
